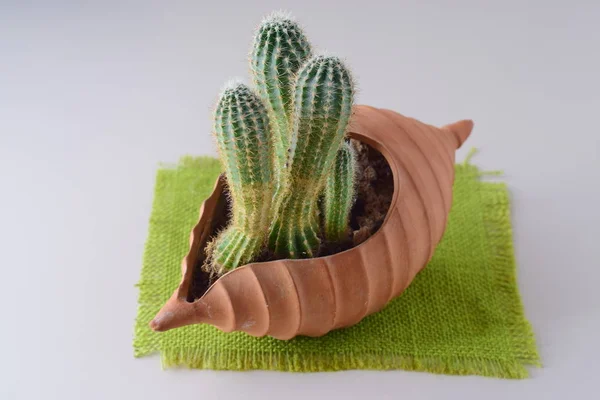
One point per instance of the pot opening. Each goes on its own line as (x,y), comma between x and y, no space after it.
(375,189)
(202,280)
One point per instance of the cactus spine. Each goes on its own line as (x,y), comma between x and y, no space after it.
(339,195)
(243,140)
(323,97)
(279,50)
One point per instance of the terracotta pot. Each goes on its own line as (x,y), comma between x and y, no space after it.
(285,298)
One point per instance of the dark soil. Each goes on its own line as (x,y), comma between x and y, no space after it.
(375,186)
(375,191)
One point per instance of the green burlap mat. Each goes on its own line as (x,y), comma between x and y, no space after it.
(462,314)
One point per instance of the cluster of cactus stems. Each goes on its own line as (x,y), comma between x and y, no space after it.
(283,148)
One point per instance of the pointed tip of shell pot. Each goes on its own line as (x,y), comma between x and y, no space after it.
(461,130)
(177,313)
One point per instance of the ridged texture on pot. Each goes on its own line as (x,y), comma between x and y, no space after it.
(286,298)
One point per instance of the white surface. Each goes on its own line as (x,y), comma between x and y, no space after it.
(92,97)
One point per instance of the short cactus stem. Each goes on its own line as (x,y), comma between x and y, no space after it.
(232,248)
(295,232)
(323,99)
(244,143)
(339,195)
(279,50)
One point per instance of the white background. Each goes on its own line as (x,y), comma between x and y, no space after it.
(93,95)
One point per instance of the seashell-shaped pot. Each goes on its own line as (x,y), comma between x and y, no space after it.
(311,297)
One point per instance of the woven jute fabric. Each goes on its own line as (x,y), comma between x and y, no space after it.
(461,315)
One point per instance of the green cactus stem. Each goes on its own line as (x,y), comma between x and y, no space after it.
(339,195)
(323,97)
(279,50)
(244,144)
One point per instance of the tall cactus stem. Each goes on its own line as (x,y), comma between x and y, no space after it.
(323,97)
(279,50)
(243,140)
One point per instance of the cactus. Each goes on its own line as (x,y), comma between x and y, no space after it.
(323,97)
(244,143)
(339,195)
(279,50)
(278,151)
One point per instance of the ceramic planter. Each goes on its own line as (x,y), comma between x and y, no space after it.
(286,298)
